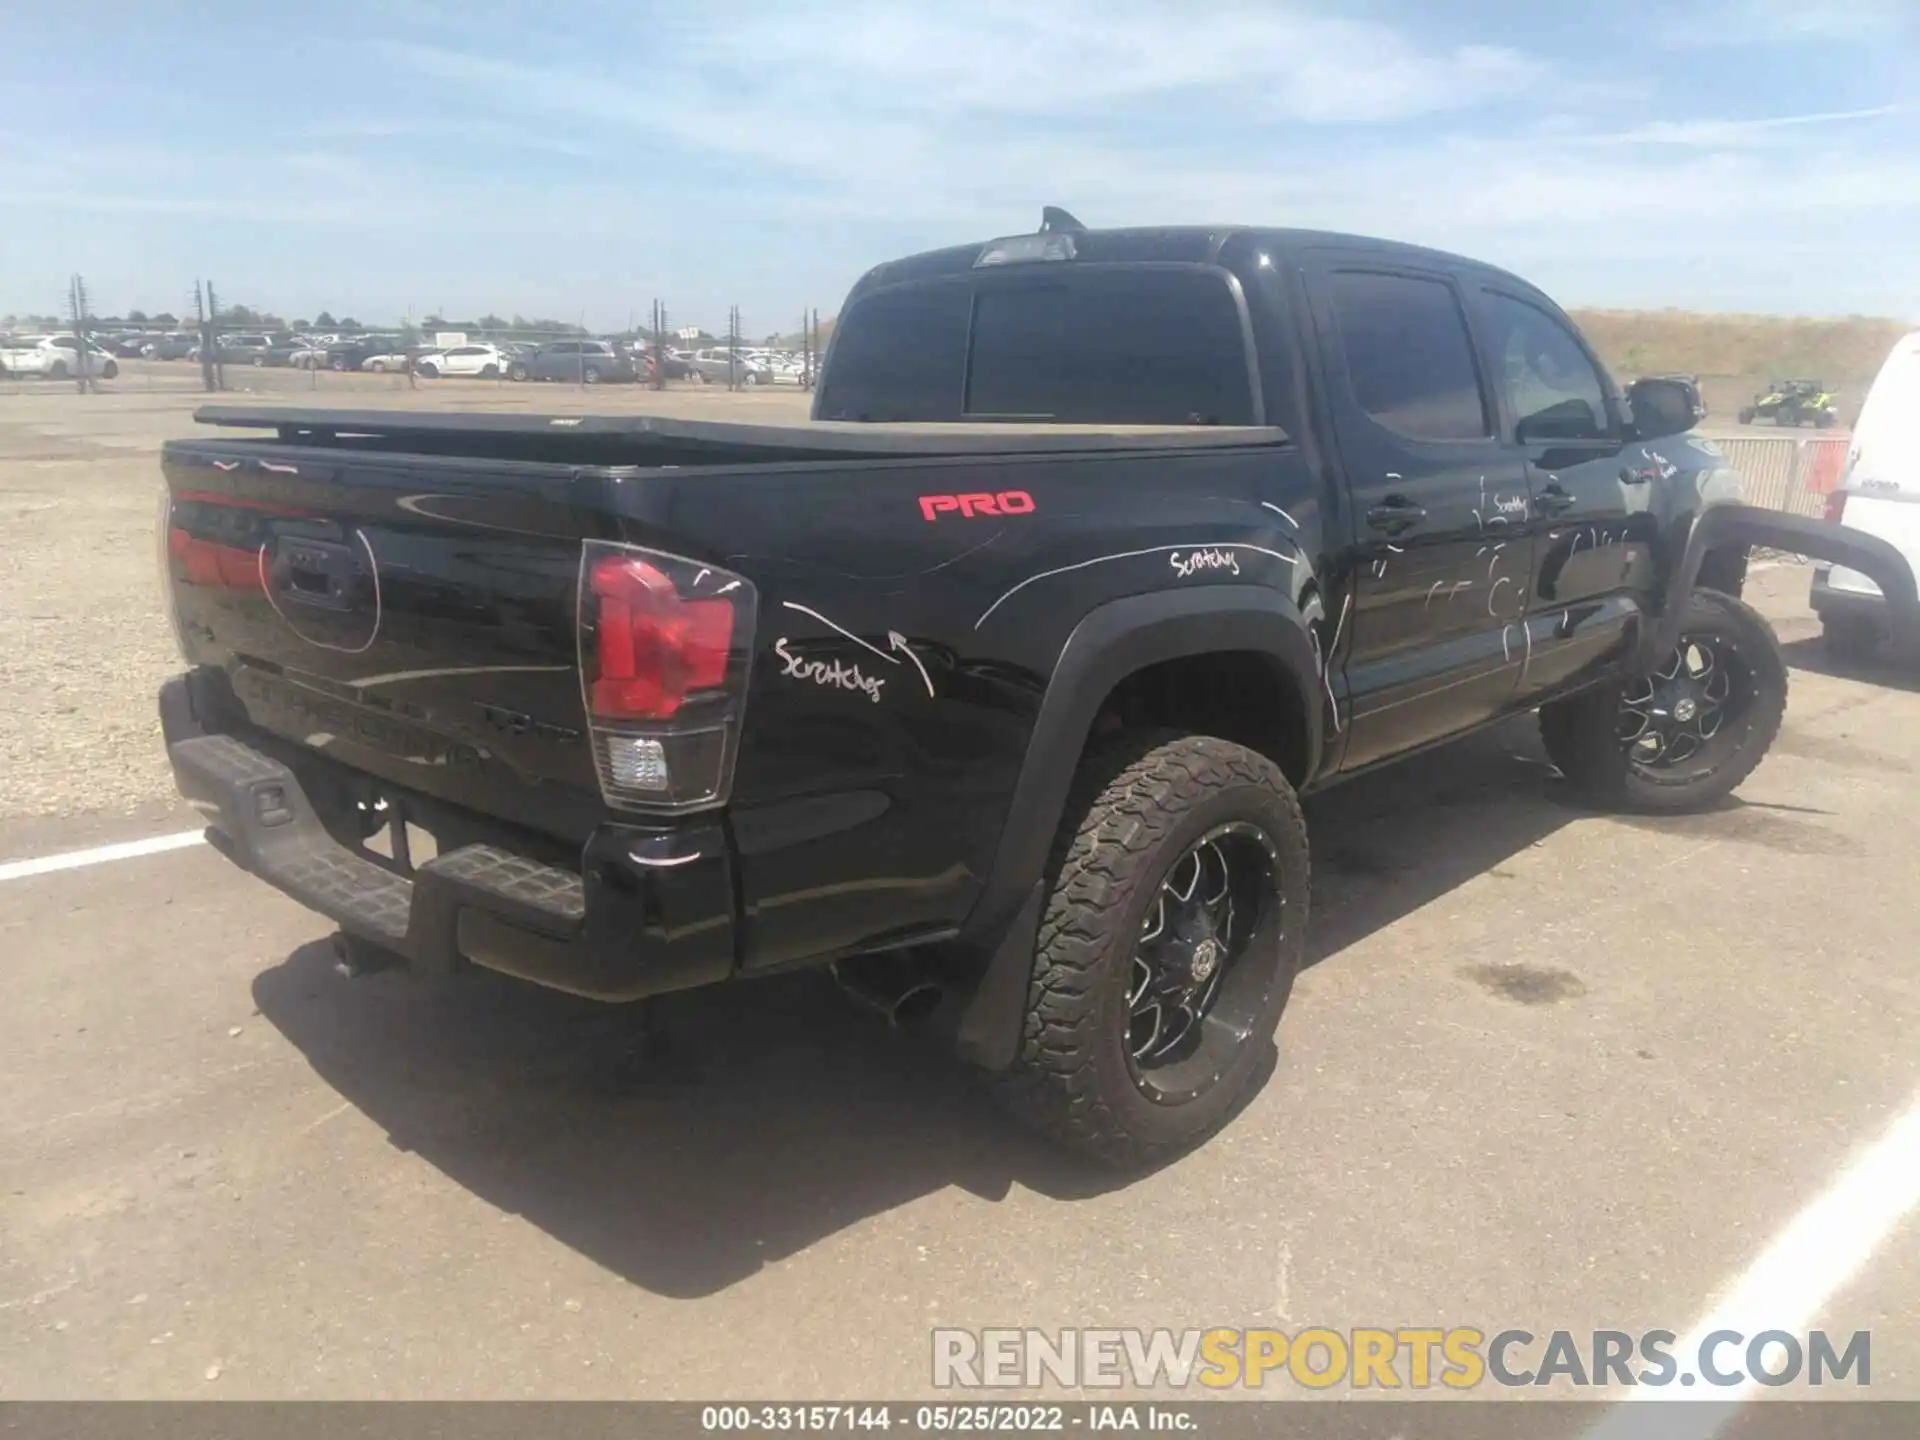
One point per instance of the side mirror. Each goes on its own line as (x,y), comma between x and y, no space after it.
(1571,419)
(1663,407)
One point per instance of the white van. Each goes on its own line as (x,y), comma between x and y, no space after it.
(1879,492)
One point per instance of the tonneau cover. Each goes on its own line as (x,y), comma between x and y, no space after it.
(816,437)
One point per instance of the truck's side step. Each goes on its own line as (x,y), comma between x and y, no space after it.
(521,890)
(648,917)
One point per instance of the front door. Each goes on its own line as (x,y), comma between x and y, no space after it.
(1591,526)
(1439,505)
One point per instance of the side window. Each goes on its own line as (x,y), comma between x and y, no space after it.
(1408,354)
(1555,392)
(564,347)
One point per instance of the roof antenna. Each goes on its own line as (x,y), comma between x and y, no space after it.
(1053,218)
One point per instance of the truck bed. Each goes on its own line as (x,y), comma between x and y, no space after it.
(654,439)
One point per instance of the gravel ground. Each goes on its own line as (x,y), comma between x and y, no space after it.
(84,644)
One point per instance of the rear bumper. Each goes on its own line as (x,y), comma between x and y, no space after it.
(648,911)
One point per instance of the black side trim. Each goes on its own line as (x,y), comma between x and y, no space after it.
(1749,525)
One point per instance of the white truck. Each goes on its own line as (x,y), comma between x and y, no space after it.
(55,357)
(1878,494)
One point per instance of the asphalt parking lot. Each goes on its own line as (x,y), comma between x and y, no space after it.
(1548,1069)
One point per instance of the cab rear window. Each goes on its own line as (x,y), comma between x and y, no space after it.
(1118,345)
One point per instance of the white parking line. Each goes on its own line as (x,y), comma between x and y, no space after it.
(1823,1248)
(99,855)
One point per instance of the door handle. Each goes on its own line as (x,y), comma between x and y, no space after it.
(1552,500)
(1395,515)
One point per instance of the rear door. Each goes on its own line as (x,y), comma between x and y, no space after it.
(1439,507)
(1589,518)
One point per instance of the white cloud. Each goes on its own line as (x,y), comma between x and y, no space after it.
(1784,22)
(1736,134)
(818,138)
(1011,58)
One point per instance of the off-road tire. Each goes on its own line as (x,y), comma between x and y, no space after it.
(1581,737)
(1133,812)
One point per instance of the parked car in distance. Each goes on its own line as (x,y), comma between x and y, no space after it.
(584,362)
(674,365)
(353,354)
(174,345)
(484,361)
(719,366)
(256,349)
(55,357)
(391,354)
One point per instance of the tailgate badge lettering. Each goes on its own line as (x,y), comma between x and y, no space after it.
(977,503)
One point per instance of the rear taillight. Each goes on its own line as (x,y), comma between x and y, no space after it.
(664,643)
(168,601)
(1836,507)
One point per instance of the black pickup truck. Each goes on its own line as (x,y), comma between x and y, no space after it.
(993,687)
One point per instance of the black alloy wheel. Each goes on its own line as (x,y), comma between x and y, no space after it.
(1192,994)
(1669,717)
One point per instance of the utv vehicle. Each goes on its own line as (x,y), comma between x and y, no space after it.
(1794,402)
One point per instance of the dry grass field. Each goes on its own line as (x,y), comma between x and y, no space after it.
(1735,355)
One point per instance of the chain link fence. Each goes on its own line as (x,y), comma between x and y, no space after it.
(217,348)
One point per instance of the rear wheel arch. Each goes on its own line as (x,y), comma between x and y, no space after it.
(1169,658)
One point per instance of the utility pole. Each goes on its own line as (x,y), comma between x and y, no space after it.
(659,345)
(77,305)
(210,344)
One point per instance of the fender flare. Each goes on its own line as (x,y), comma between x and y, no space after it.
(1749,525)
(1111,642)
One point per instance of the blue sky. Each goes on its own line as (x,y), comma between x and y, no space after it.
(586,157)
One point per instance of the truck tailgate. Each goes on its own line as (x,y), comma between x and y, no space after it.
(405,615)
